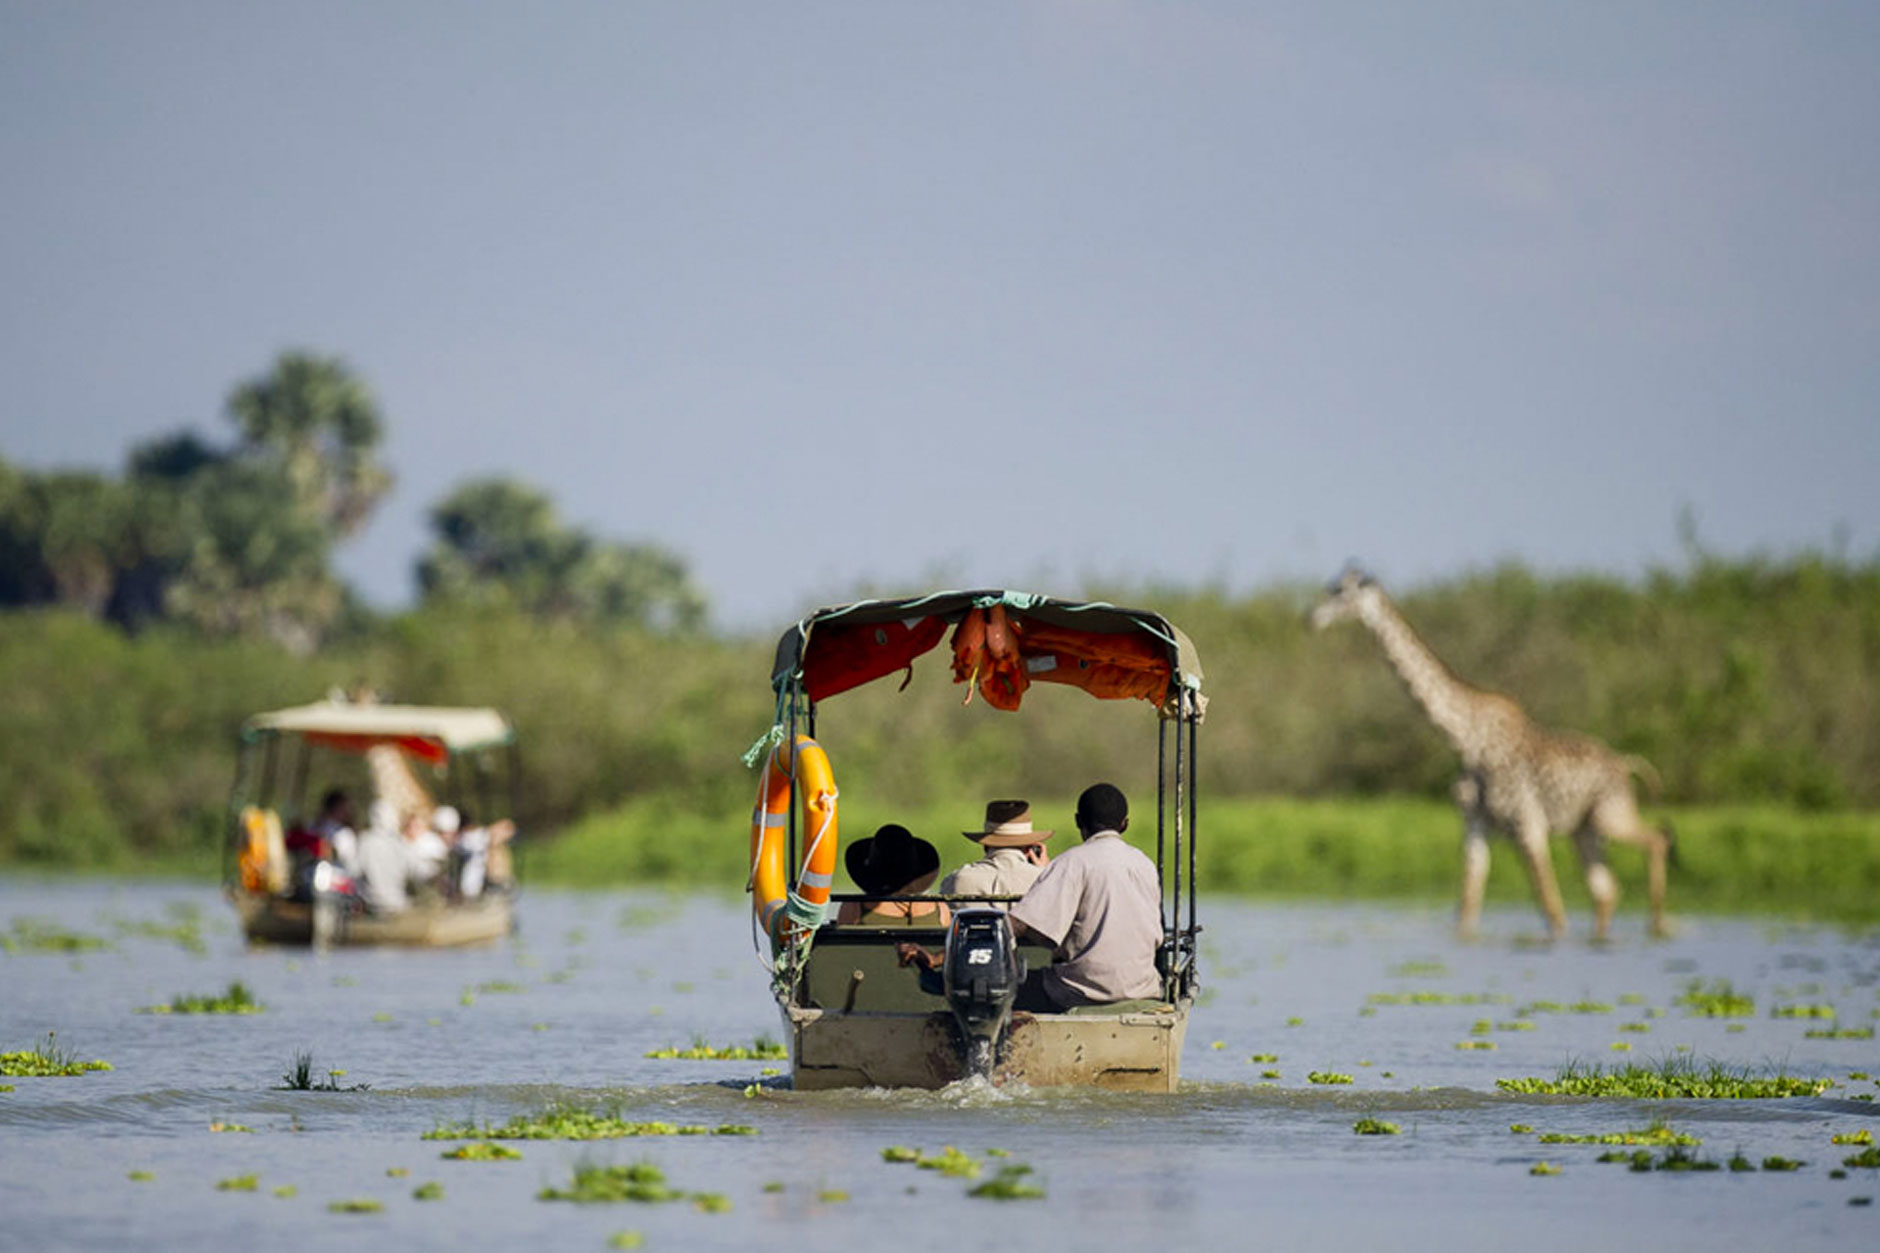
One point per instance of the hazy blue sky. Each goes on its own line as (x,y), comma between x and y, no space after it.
(1015,292)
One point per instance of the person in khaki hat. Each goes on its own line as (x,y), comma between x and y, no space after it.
(1015,855)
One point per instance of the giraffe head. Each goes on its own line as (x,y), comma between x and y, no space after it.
(1346,596)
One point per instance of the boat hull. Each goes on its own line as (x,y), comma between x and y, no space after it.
(1137,1050)
(269,919)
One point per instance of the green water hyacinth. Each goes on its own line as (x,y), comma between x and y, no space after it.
(45,1060)
(356,1205)
(1327,1076)
(1436,998)
(482,1152)
(1375,1127)
(1863,1136)
(34,935)
(1716,999)
(1008,1185)
(1676,1078)
(564,1122)
(1657,1133)
(237,999)
(950,1161)
(640,1181)
(761,1049)
(1802,1011)
(238,1183)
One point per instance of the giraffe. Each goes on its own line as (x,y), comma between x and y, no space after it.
(1518,778)
(394,780)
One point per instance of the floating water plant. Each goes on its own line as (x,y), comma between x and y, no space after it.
(236,1000)
(1376,1127)
(1520,1128)
(299,1078)
(831,1196)
(500,987)
(286,1192)
(141,1176)
(1008,1185)
(1839,1033)
(1327,1076)
(35,935)
(763,1048)
(238,1183)
(711,1202)
(1739,1164)
(1621,1046)
(185,929)
(219,1125)
(1555,1007)
(1269,1074)
(46,1060)
(1863,1136)
(1264,1057)
(1637,1028)
(1418,970)
(1543,1168)
(1717,999)
(567,1122)
(397,1172)
(1675,1158)
(1802,1011)
(1658,1133)
(1867,1159)
(430,1191)
(1675,1077)
(949,1161)
(482,1151)
(626,1240)
(356,1205)
(1436,998)
(1485,1046)
(640,1181)
(1782,1163)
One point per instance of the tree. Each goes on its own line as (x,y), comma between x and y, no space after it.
(323,426)
(499,542)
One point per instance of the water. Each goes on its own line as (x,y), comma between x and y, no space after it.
(568,1009)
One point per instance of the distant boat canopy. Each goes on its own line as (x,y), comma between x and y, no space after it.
(426,732)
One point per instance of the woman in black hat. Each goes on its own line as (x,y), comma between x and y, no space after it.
(893,862)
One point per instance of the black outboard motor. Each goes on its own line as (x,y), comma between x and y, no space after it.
(981,975)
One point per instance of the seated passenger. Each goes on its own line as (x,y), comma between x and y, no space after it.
(426,851)
(482,852)
(384,862)
(333,831)
(1014,859)
(893,862)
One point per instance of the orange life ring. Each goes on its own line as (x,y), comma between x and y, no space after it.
(781,912)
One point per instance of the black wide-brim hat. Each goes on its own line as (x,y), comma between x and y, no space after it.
(892,862)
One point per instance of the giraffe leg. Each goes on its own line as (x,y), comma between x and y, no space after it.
(1599,881)
(1474,877)
(1531,837)
(1617,819)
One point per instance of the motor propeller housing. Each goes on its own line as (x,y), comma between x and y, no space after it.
(981,976)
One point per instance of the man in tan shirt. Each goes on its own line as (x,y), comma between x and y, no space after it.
(1014,857)
(1100,906)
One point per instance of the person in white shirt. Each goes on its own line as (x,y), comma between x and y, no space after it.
(1015,855)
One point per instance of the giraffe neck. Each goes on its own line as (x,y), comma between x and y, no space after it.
(1446,699)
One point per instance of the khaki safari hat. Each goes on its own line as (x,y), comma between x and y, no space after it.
(1008,825)
(892,862)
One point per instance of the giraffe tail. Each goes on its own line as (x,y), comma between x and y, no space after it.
(1647,773)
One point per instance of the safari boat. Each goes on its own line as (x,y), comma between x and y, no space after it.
(854,1017)
(286,882)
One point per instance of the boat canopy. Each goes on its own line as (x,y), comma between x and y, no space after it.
(1001,643)
(430,732)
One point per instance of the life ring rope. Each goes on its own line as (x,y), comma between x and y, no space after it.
(785,911)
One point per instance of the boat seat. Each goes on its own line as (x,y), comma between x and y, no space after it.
(886,987)
(1142,1005)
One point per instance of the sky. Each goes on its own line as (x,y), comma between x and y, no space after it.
(1031,293)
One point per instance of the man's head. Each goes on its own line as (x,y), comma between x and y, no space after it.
(336,804)
(1102,807)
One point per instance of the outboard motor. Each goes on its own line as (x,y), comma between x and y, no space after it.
(981,976)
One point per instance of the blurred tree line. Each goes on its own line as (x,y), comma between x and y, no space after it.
(143,617)
(235,540)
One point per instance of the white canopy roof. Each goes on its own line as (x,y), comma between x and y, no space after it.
(458,730)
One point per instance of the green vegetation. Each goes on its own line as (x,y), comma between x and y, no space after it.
(429,1191)
(1748,683)
(1867,1159)
(1673,1078)
(1839,1033)
(299,1078)
(357,1205)
(1802,1011)
(220,1126)
(568,1122)
(45,1060)
(1543,1168)
(1375,1127)
(35,935)
(948,1161)
(1717,999)
(238,1183)
(482,1152)
(1658,1133)
(1008,1185)
(641,1181)
(1782,1163)
(236,1000)
(1326,1076)
(763,1048)
(1436,998)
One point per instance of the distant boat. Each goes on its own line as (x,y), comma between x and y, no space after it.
(289,884)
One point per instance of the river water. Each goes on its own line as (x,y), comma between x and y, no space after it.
(567,1010)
